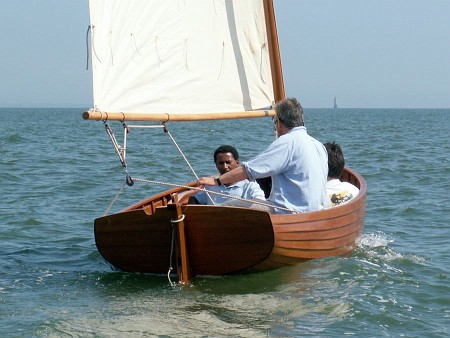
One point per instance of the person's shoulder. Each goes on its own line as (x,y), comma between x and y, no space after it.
(251,189)
(242,183)
(333,182)
(340,192)
(248,184)
(351,188)
(335,185)
(348,184)
(252,184)
(295,132)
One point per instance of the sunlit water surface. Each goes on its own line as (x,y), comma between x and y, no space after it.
(59,172)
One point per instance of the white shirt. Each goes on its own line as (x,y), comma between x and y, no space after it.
(243,189)
(339,192)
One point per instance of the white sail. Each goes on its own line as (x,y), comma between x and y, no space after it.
(180,56)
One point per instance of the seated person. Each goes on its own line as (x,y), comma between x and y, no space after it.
(337,192)
(226,158)
(295,162)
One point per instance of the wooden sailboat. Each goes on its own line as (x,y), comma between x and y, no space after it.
(188,61)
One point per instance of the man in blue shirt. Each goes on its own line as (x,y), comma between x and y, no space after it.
(226,158)
(296,162)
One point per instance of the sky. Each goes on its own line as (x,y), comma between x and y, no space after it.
(368,54)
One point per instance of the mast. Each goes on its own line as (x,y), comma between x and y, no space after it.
(274,51)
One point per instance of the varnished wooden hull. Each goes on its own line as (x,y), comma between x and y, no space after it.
(147,236)
(219,240)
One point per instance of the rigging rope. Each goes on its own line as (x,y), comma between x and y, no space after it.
(93,44)
(135,44)
(185,54)
(110,48)
(115,198)
(185,159)
(173,221)
(121,152)
(180,151)
(87,47)
(171,254)
(253,201)
(157,51)
(222,61)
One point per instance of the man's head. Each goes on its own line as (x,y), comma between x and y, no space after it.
(226,158)
(290,113)
(336,160)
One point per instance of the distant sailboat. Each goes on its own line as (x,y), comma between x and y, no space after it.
(335,103)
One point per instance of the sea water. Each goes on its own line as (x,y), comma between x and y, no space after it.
(59,172)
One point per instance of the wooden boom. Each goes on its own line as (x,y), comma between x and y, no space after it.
(166,117)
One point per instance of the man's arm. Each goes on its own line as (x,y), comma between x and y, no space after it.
(233,176)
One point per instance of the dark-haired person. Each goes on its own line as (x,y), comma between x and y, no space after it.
(296,162)
(337,192)
(226,158)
